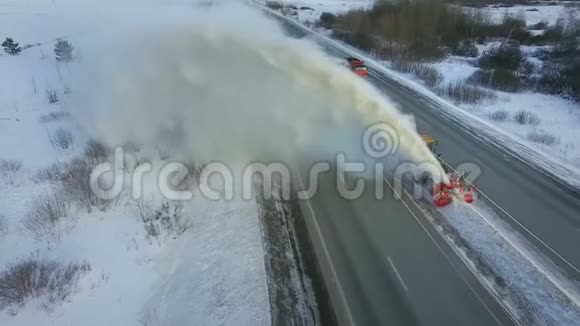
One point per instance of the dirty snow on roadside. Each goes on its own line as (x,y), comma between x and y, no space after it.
(528,280)
(203,265)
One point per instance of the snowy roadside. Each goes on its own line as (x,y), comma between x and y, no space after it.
(112,264)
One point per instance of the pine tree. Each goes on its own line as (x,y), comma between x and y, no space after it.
(63,51)
(11,47)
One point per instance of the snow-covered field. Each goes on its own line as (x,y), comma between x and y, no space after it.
(211,273)
(532,14)
(556,116)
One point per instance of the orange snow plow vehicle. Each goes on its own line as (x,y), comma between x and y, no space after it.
(357,66)
(458,187)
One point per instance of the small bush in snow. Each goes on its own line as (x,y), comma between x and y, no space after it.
(526,118)
(539,26)
(192,178)
(500,79)
(96,150)
(54,116)
(44,217)
(464,93)
(274,5)
(506,56)
(52,173)
(465,48)
(166,219)
(62,138)
(63,50)
(561,79)
(362,40)
(52,96)
(542,138)
(11,47)
(10,166)
(327,19)
(33,278)
(429,75)
(499,115)
(76,187)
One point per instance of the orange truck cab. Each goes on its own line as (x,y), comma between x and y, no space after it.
(357,66)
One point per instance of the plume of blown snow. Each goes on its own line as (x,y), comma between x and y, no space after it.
(227,84)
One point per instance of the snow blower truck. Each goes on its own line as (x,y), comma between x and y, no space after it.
(357,66)
(458,187)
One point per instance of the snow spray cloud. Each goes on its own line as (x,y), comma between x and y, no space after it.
(226,84)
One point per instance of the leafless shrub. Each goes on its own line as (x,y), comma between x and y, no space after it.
(165,219)
(10,166)
(526,118)
(464,93)
(192,178)
(499,115)
(54,116)
(52,173)
(274,5)
(62,138)
(52,96)
(96,150)
(147,214)
(542,138)
(43,219)
(429,75)
(500,79)
(76,187)
(32,278)
(164,154)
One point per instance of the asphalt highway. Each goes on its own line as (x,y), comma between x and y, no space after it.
(393,268)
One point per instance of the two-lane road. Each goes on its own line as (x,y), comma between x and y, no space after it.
(536,203)
(391,266)
(375,244)
(538,206)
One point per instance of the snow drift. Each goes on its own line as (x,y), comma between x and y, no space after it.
(226,84)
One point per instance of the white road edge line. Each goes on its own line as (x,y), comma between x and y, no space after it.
(572,295)
(326,253)
(519,224)
(444,254)
(397,273)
